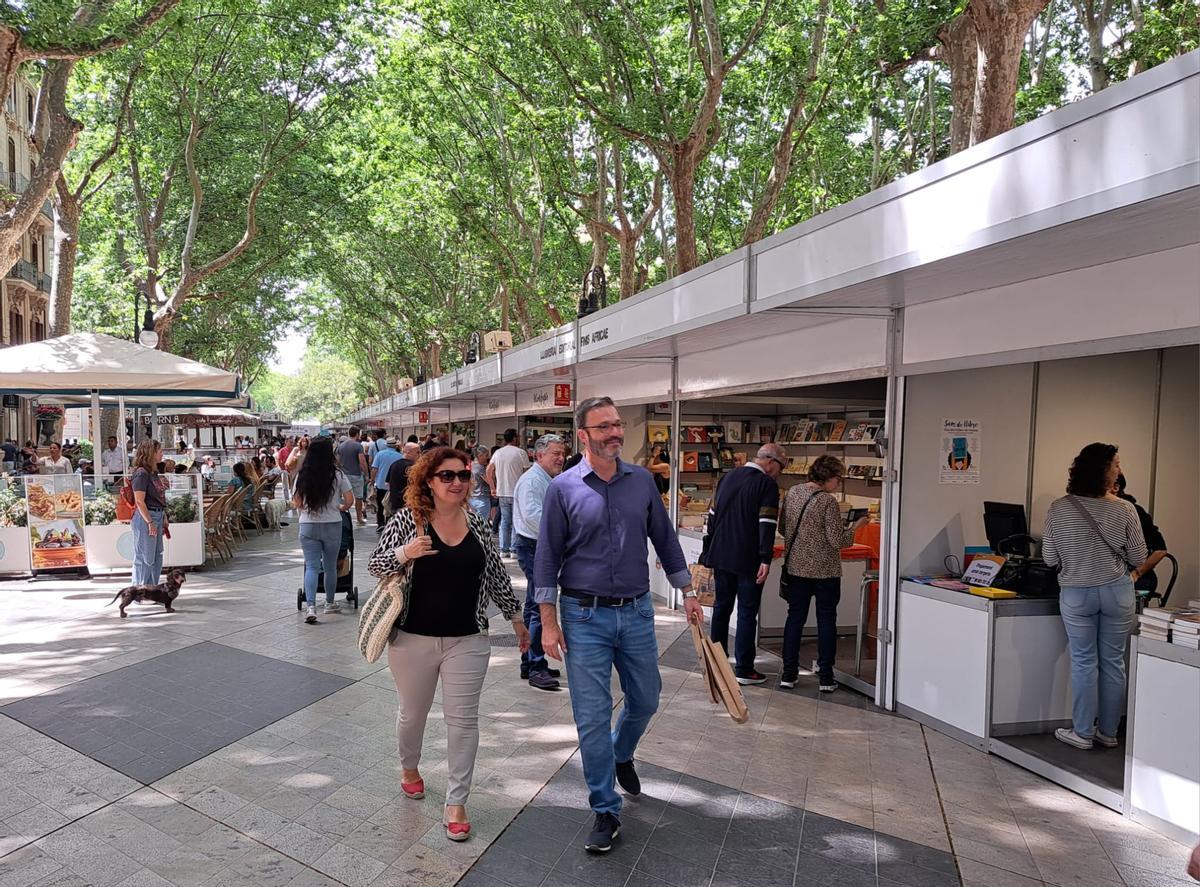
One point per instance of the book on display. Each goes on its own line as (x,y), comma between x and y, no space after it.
(838,429)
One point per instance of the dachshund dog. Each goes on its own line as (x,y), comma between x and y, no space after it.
(163,593)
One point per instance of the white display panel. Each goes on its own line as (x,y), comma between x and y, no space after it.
(850,348)
(635,383)
(941,661)
(545,353)
(1165,773)
(711,293)
(1031,673)
(1106,149)
(462,411)
(1060,315)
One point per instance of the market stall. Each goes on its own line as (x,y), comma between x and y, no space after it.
(100,369)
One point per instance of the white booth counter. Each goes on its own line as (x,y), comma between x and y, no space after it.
(1162,747)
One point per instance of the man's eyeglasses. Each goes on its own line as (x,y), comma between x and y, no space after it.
(782,463)
(606,427)
(448,476)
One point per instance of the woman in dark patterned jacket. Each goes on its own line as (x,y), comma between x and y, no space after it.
(442,630)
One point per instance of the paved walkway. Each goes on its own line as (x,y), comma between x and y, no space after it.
(229,743)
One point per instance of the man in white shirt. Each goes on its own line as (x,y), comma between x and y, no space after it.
(503,472)
(57,463)
(112,458)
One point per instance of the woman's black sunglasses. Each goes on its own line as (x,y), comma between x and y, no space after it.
(448,476)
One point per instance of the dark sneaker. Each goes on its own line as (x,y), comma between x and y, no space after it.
(604,832)
(828,685)
(554,672)
(524,672)
(789,679)
(751,677)
(541,680)
(627,778)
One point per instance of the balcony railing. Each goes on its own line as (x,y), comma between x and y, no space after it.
(26,271)
(18,184)
(44,281)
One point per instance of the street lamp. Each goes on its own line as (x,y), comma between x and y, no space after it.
(146,334)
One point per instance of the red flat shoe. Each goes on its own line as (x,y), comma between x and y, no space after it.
(457,831)
(414,791)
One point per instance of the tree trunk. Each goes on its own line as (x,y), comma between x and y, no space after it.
(1096,65)
(681,172)
(959,40)
(629,265)
(66,242)
(1000,28)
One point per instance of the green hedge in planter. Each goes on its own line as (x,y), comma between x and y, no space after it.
(100,511)
(181,509)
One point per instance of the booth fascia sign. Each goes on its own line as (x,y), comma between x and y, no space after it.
(495,403)
(706,295)
(549,353)
(552,398)
(482,374)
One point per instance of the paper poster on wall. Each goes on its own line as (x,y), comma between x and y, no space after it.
(960,451)
(55,506)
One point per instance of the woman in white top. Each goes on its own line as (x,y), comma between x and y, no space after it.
(322,494)
(1096,541)
(56,462)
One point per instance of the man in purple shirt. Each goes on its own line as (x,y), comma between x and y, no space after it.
(596,518)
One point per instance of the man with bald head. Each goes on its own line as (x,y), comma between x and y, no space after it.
(738,547)
(397,477)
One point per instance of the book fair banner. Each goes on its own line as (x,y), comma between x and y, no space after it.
(55,506)
(960,451)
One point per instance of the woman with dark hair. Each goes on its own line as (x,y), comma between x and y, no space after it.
(658,463)
(1095,539)
(1156,544)
(442,630)
(150,515)
(322,494)
(814,533)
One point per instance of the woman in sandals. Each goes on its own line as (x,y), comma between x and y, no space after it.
(442,630)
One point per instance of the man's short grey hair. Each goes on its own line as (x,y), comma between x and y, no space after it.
(481,451)
(546,441)
(771,451)
(586,406)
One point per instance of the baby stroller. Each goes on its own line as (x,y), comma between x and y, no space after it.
(345,571)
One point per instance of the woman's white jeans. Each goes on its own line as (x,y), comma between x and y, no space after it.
(416,662)
(1098,620)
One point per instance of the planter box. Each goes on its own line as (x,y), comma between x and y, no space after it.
(14,550)
(109,547)
(185,548)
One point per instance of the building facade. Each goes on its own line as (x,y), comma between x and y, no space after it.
(25,289)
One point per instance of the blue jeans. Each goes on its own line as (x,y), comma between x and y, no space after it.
(1098,620)
(800,593)
(481,507)
(748,594)
(535,659)
(147,549)
(598,638)
(320,544)
(506,524)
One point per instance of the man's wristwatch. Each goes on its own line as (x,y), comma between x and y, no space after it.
(690,594)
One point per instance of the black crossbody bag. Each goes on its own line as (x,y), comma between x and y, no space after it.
(784,582)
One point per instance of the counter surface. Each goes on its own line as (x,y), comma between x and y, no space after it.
(1168,651)
(999,608)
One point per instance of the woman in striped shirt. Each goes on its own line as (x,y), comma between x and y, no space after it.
(1096,541)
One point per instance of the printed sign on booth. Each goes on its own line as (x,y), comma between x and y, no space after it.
(959,456)
(562,395)
(55,508)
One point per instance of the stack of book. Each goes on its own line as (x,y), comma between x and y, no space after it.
(1155,623)
(1185,630)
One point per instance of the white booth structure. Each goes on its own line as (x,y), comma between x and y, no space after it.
(1043,286)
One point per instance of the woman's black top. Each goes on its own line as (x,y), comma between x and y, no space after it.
(662,483)
(445,589)
(1154,541)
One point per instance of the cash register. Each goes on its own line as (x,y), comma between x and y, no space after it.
(1008,535)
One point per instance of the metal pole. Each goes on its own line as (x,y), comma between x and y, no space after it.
(889,515)
(675,457)
(96,444)
(121,440)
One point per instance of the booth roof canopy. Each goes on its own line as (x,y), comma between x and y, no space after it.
(82,362)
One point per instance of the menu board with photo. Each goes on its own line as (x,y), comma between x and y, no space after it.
(55,505)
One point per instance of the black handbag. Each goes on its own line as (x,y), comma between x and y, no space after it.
(784,584)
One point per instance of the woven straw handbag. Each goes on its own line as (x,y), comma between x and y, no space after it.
(379,614)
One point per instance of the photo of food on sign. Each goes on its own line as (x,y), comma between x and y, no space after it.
(46,502)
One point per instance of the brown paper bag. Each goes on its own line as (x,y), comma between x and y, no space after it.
(719,674)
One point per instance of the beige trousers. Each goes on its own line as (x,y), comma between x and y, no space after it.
(416,662)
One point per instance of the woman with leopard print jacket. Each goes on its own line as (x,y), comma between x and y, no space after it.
(442,631)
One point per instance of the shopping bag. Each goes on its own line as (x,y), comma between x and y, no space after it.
(378,616)
(720,676)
